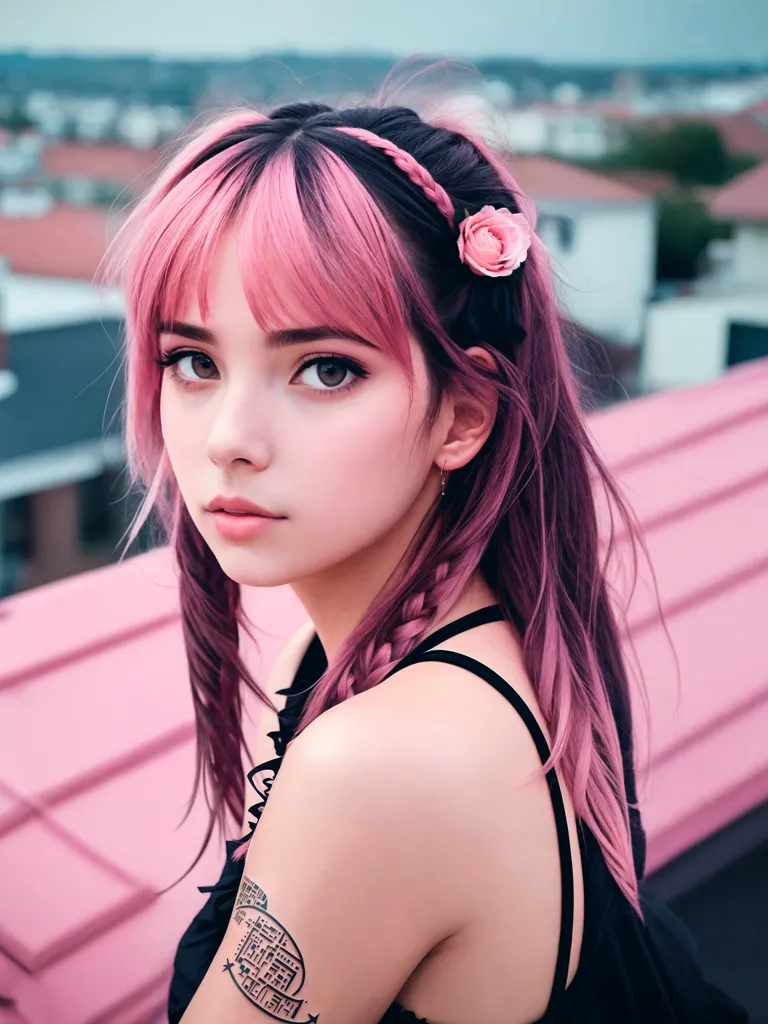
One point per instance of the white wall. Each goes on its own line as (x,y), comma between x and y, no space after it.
(607,276)
(568,133)
(32,301)
(687,338)
(750,255)
(578,136)
(527,130)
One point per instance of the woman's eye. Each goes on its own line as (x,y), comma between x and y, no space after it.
(196,366)
(323,374)
(331,373)
(190,366)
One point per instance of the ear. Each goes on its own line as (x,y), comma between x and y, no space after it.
(473,418)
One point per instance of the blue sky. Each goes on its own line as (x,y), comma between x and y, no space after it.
(629,31)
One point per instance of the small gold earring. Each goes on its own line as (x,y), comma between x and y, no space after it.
(442,482)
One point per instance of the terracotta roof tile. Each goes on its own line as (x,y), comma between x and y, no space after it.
(543,177)
(652,183)
(67,241)
(744,198)
(100,162)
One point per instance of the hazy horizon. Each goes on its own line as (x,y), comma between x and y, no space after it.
(594,31)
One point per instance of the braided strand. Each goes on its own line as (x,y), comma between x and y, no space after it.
(418,174)
(417,614)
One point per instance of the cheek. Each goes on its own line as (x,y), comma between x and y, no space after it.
(369,468)
(178,429)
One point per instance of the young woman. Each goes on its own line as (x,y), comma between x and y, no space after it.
(346,373)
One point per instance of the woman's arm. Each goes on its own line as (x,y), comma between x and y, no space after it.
(341,895)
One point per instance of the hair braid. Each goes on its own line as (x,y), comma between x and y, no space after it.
(444,564)
(418,612)
(418,174)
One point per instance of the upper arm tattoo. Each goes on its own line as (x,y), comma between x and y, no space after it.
(268,967)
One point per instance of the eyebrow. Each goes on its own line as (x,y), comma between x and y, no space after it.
(274,339)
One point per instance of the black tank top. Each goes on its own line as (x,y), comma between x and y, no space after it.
(630,971)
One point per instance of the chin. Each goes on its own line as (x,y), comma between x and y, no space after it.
(252,572)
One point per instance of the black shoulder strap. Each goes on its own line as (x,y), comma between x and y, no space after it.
(491,613)
(561,822)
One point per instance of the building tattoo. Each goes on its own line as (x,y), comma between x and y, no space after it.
(268,967)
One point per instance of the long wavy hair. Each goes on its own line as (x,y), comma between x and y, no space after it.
(340,229)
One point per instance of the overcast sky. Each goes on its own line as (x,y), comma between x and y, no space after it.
(629,31)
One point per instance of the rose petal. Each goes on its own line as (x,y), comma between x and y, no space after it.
(493,242)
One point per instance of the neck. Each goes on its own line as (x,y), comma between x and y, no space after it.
(338,598)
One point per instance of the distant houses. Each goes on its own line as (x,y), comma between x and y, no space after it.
(724,319)
(61,453)
(601,235)
(60,374)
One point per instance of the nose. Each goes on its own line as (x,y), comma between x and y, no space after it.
(239,431)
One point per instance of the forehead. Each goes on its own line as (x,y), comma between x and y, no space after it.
(214,286)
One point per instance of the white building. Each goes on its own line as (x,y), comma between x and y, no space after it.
(601,235)
(694,339)
(566,127)
(571,131)
(20,155)
(745,203)
(60,446)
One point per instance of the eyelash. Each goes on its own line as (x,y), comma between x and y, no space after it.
(172,359)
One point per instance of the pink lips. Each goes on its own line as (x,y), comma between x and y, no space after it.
(221,503)
(240,525)
(236,518)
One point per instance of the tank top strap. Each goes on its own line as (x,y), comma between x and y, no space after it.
(490,613)
(422,652)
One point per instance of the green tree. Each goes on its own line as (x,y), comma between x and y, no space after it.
(685,229)
(15,120)
(693,152)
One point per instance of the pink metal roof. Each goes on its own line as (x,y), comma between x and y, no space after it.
(96,736)
(744,198)
(543,177)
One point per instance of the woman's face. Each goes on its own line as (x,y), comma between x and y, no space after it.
(320,432)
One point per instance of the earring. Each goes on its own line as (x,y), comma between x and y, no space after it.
(442,482)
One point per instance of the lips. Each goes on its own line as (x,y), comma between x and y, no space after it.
(240,507)
(244,526)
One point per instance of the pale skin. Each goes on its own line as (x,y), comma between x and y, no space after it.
(398,857)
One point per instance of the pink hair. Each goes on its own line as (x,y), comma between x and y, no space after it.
(525,513)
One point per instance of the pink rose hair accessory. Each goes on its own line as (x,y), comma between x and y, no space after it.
(494,241)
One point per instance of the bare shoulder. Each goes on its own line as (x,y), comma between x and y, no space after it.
(439,714)
(398,751)
(428,766)
(429,732)
(346,880)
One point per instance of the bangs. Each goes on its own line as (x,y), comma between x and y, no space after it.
(314,248)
